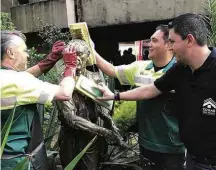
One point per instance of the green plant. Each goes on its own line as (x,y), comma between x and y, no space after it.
(51,129)
(51,76)
(209,14)
(51,33)
(34,57)
(6,130)
(4,136)
(6,22)
(23,164)
(125,115)
(73,163)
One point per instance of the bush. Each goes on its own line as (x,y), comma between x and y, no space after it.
(50,34)
(125,115)
(6,22)
(34,57)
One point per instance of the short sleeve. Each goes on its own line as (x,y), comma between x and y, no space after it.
(126,73)
(23,88)
(168,81)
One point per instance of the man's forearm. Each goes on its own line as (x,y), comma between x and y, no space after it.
(66,88)
(105,66)
(141,93)
(35,71)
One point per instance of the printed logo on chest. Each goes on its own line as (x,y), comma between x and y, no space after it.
(209,107)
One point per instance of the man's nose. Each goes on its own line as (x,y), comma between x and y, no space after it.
(171,47)
(149,44)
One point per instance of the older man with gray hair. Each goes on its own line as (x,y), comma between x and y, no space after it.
(20,87)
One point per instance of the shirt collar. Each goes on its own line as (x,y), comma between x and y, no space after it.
(6,68)
(211,59)
(151,65)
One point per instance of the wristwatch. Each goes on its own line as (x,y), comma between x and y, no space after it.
(116,96)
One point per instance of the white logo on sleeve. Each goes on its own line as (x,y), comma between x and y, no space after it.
(209,107)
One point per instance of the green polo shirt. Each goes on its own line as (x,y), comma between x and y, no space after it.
(157,127)
(24,90)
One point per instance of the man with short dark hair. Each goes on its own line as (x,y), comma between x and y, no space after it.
(157,126)
(193,80)
(20,88)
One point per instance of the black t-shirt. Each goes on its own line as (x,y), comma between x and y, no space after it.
(195,97)
(156,69)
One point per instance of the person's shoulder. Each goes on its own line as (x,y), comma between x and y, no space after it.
(213,50)
(13,75)
(8,73)
(139,64)
(212,54)
(177,67)
(143,62)
(13,72)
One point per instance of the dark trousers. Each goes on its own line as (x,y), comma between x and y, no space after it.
(161,161)
(191,164)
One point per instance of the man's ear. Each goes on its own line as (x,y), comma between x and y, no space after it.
(190,38)
(169,46)
(10,53)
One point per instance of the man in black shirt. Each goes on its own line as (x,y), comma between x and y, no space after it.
(193,79)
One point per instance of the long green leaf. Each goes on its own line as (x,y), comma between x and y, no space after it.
(51,122)
(6,130)
(51,128)
(22,165)
(73,163)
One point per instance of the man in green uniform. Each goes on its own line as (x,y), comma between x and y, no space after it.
(20,88)
(157,126)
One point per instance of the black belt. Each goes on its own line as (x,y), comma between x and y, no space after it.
(204,160)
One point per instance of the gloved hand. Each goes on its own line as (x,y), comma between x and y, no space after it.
(58,47)
(70,60)
(46,64)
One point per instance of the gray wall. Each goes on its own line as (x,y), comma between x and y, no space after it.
(31,17)
(98,13)
(109,12)
(5,5)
